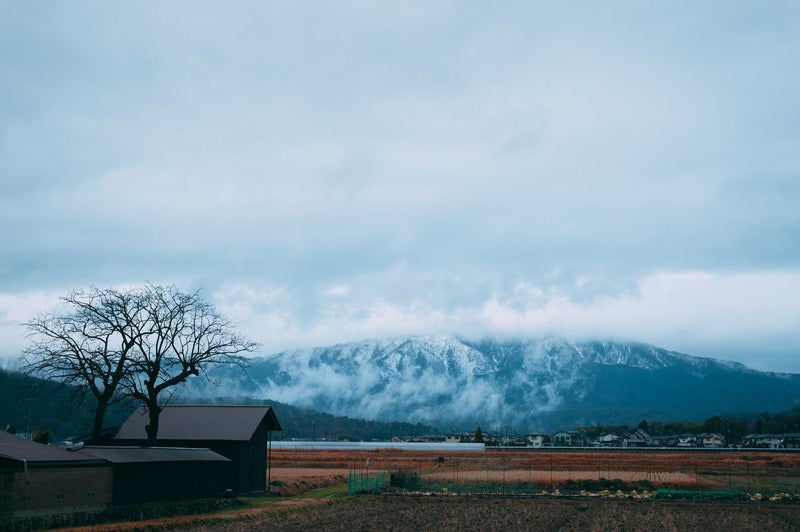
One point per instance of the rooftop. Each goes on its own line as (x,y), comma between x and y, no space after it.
(15,448)
(204,422)
(130,455)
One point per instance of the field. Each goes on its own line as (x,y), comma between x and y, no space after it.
(518,490)
(458,513)
(503,471)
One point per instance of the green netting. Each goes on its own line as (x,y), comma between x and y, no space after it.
(365,481)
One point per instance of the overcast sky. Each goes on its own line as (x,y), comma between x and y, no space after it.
(348,170)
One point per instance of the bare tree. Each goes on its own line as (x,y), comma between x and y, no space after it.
(132,344)
(88,346)
(180,336)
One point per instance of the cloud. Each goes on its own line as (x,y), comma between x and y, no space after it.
(15,310)
(694,312)
(343,172)
(697,312)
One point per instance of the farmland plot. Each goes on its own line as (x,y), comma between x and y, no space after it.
(456,513)
(321,474)
(533,470)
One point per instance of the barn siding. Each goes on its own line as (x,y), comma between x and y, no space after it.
(53,495)
(166,481)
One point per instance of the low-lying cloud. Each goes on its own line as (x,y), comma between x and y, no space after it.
(741,317)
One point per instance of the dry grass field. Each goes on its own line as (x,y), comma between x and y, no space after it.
(752,472)
(313,492)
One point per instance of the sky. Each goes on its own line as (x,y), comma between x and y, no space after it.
(328,172)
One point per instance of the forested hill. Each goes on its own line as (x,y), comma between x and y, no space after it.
(28,404)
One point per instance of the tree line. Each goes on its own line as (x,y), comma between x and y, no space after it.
(733,426)
(131,345)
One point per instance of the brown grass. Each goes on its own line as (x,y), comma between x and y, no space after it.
(301,470)
(747,471)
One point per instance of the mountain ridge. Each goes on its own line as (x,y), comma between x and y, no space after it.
(537,383)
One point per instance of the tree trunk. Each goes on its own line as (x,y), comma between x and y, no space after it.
(153,412)
(99,416)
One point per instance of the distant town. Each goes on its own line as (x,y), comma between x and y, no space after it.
(756,431)
(635,438)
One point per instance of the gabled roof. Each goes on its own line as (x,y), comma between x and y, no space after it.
(15,448)
(197,423)
(142,455)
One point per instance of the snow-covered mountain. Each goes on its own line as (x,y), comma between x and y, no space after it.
(534,384)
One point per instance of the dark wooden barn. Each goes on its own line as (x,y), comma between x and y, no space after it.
(143,474)
(239,433)
(45,485)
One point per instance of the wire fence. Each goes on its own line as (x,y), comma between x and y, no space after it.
(673,478)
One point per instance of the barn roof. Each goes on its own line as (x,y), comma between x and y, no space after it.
(15,448)
(204,422)
(131,455)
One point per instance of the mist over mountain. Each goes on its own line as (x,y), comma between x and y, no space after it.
(450,384)
(537,384)
(28,404)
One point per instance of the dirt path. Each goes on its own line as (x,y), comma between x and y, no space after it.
(261,506)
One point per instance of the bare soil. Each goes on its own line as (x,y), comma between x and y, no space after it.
(457,513)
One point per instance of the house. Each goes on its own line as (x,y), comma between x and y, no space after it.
(607,440)
(242,434)
(687,440)
(571,438)
(44,485)
(670,440)
(712,440)
(791,441)
(637,438)
(768,441)
(536,440)
(144,474)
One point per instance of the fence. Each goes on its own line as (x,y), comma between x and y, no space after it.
(362,480)
(535,472)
